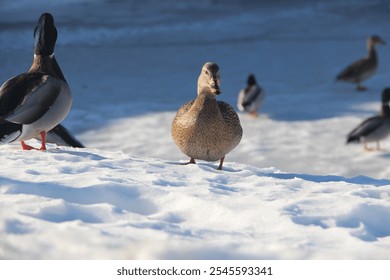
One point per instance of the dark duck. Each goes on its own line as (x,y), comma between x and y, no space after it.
(364,68)
(375,128)
(33,103)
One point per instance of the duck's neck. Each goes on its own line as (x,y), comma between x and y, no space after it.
(47,64)
(205,101)
(372,52)
(385,112)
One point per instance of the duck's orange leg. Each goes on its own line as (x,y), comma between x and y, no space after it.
(43,138)
(43,145)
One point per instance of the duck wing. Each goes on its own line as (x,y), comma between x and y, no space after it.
(355,70)
(184,108)
(9,132)
(365,128)
(251,96)
(27,97)
(228,113)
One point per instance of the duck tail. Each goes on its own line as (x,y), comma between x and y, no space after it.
(61,136)
(9,132)
(352,138)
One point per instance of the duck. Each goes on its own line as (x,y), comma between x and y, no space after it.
(375,128)
(364,68)
(251,97)
(33,103)
(204,128)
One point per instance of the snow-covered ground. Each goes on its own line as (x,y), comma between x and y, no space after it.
(292,189)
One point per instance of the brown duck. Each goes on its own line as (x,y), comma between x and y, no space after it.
(364,68)
(205,128)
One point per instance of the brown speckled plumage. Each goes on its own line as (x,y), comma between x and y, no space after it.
(205,128)
(364,68)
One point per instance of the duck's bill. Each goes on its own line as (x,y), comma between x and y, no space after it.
(216,90)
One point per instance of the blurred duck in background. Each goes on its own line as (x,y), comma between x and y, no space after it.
(375,128)
(251,97)
(364,68)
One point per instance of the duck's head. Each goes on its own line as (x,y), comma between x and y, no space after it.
(209,78)
(45,35)
(374,40)
(251,80)
(386,96)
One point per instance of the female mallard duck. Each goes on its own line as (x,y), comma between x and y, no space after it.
(364,68)
(375,128)
(251,97)
(33,103)
(205,128)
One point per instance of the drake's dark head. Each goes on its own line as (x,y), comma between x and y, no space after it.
(251,80)
(386,96)
(45,35)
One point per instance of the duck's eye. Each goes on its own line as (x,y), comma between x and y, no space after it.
(207,72)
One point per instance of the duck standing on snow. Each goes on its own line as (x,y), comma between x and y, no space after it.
(364,68)
(205,128)
(35,102)
(375,128)
(251,97)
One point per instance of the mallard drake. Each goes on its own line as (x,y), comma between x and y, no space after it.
(205,128)
(251,97)
(35,102)
(364,68)
(375,128)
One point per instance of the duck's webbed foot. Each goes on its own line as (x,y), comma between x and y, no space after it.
(43,145)
(192,161)
(26,147)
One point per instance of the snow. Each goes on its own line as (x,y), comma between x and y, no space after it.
(292,189)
